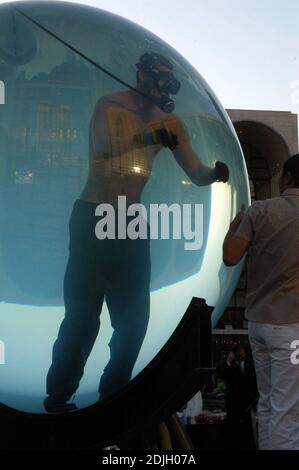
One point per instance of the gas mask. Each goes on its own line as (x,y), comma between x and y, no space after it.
(164,81)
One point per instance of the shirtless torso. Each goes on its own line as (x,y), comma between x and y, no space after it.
(119,161)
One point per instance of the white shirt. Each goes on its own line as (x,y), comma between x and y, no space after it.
(272,227)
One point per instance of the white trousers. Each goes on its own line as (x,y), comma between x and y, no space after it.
(278,384)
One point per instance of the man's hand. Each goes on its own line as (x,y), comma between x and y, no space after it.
(167,139)
(160,136)
(222,172)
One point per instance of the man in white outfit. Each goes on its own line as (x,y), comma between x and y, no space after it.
(268,232)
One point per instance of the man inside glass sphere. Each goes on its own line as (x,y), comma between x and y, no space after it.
(127,131)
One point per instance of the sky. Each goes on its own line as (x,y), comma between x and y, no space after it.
(247,50)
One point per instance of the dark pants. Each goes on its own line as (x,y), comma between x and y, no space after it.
(118,270)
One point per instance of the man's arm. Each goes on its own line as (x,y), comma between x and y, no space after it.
(199,174)
(234,247)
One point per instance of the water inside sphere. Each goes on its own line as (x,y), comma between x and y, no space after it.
(93,144)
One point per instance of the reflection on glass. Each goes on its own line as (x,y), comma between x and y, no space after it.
(82,142)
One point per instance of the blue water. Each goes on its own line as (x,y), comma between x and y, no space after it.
(50,95)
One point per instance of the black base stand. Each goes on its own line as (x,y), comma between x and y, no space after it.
(164,386)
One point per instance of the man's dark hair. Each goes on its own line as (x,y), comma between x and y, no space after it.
(149,60)
(292,166)
(154,58)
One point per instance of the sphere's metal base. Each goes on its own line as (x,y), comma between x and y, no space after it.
(164,386)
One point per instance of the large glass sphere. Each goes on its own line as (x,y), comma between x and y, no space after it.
(66,133)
